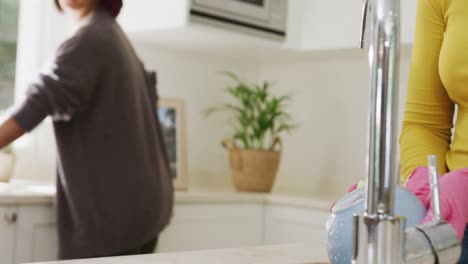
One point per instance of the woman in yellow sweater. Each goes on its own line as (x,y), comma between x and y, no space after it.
(438,81)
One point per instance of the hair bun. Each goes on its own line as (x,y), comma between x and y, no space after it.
(113,6)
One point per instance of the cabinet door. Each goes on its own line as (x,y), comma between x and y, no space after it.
(8,219)
(336,24)
(324,25)
(136,17)
(408,20)
(196,227)
(36,234)
(296,225)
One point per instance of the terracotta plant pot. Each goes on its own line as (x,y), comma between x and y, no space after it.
(7,163)
(254,170)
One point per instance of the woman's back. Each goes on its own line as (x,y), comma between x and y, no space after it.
(114,187)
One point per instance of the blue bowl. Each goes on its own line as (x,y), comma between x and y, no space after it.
(339,225)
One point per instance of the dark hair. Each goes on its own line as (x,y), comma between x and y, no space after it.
(112,6)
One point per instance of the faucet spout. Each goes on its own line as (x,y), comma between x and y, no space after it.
(379,236)
(384,63)
(365,25)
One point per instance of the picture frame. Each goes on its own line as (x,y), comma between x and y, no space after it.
(171,113)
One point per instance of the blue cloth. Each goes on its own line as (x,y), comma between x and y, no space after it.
(464,256)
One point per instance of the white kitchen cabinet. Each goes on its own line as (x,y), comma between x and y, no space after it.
(284,224)
(336,24)
(196,227)
(408,20)
(8,222)
(28,233)
(144,15)
(312,25)
(323,25)
(36,234)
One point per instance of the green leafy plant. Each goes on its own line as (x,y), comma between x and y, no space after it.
(259,116)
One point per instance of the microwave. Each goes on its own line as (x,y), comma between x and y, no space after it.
(260,17)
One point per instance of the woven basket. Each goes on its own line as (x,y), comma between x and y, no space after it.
(254,170)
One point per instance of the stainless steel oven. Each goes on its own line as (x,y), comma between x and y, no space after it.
(266,16)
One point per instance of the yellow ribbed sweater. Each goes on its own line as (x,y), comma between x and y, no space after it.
(438,80)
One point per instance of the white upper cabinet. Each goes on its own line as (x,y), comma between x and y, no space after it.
(150,15)
(336,24)
(324,25)
(311,24)
(408,20)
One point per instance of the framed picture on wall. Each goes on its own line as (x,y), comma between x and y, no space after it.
(171,113)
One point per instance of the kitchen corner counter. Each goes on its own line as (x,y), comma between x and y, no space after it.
(307,202)
(24,192)
(211,197)
(217,197)
(293,253)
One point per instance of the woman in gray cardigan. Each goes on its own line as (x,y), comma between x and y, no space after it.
(114,189)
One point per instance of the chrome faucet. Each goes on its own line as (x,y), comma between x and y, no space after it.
(379,236)
(365,25)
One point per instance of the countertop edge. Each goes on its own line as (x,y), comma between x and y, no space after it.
(30,196)
(286,253)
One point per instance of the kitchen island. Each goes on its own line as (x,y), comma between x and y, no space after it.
(291,253)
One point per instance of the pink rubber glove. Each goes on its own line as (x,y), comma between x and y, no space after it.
(453,196)
(418,184)
(352,188)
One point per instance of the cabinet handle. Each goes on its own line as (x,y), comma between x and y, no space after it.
(11,218)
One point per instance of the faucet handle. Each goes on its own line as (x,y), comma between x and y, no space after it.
(435,190)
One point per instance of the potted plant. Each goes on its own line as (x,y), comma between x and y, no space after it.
(255,146)
(7,162)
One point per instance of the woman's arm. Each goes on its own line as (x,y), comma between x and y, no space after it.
(61,92)
(429,111)
(9,132)
(67,86)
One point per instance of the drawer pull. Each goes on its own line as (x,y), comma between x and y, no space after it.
(11,218)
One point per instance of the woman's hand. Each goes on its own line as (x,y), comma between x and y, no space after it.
(418,184)
(350,189)
(9,132)
(453,200)
(453,196)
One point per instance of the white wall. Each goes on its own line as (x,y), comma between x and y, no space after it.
(330,90)
(343,19)
(193,77)
(330,102)
(41,30)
